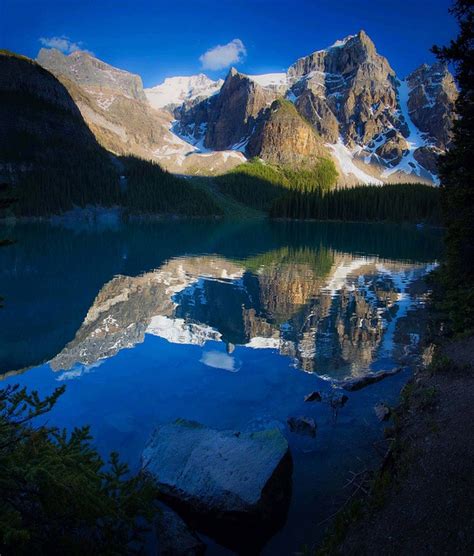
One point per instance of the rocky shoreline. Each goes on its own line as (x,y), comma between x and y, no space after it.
(420,502)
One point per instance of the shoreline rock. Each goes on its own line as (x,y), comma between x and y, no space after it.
(234,487)
(353,384)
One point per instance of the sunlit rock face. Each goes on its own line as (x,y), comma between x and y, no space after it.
(115,107)
(343,102)
(331,313)
(357,86)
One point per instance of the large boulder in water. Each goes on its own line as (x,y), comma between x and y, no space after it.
(233,486)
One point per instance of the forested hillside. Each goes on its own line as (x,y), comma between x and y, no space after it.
(258,184)
(392,202)
(50,161)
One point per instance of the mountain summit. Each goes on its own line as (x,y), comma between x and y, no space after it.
(375,126)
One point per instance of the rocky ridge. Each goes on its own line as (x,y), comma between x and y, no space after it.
(376,127)
(115,107)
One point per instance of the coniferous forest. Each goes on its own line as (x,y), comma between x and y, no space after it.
(248,367)
(392,202)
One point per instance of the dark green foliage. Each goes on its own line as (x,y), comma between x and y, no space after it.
(59,168)
(56,495)
(319,260)
(457,178)
(258,185)
(150,189)
(391,202)
(56,189)
(254,184)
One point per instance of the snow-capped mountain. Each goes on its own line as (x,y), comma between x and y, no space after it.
(375,126)
(176,90)
(344,102)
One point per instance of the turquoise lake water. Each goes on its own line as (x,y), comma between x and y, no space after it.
(229,324)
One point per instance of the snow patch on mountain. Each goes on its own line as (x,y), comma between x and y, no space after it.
(415,140)
(345,157)
(273,80)
(343,41)
(176,90)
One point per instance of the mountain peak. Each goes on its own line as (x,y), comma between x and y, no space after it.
(177,90)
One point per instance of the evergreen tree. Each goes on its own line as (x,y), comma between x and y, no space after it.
(56,495)
(457,174)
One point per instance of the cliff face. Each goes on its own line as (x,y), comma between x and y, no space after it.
(92,74)
(349,87)
(115,107)
(431,102)
(227,119)
(282,136)
(234,111)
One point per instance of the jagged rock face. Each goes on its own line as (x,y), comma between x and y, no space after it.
(228,118)
(428,158)
(317,111)
(354,85)
(393,148)
(283,137)
(91,73)
(431,101)
(234,111)
(116,110)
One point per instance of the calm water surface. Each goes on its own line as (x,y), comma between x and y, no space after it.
(229,324)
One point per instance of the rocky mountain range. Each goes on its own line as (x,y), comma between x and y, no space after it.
(332,322)
(115,106)
(344,102)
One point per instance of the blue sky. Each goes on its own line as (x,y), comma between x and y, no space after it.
(165,38)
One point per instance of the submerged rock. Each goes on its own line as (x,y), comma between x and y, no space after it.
(175,537)
(313,397)
(338,400)
(302,425)
(382,411)
(360,382)
(233,486)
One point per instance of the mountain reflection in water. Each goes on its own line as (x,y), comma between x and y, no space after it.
(330,312)
(230,324)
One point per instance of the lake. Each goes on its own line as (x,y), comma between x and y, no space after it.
(229,324)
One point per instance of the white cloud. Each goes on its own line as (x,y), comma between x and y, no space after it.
(63,43)
(219,360)
(222,56)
